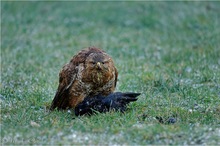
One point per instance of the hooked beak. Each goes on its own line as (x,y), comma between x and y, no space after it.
(98,65)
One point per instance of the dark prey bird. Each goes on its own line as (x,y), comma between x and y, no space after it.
(115,101)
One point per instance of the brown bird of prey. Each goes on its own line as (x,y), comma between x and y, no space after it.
(89,73)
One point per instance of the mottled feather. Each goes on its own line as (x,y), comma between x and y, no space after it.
(89,73)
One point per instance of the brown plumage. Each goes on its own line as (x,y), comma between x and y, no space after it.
(89,73)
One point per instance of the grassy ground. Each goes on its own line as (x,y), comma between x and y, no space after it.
(168,51)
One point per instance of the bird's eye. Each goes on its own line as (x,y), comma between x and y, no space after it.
(103,62)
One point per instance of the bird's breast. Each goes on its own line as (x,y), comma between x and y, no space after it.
(97,78)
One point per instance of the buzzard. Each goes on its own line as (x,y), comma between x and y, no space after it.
(89,73)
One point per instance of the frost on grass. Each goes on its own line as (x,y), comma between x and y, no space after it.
(206,136)
(76,137)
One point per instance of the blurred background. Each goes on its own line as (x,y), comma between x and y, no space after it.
(45,35)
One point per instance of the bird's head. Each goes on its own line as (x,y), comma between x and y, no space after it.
(98,61)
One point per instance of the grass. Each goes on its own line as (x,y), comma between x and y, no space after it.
(168,51)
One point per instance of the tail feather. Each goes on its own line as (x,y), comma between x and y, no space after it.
(131,94)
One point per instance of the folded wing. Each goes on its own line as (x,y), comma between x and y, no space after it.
(117,101)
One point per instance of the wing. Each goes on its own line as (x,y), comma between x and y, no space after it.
(115,101)
(67,77)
